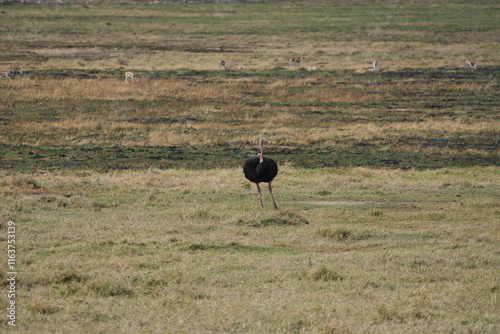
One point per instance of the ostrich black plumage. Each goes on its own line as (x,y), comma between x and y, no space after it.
(259,169)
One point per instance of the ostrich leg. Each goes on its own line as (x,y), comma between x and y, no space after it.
(260,194)
(272,196)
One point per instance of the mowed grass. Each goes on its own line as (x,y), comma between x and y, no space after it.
(132,212)
(351,250)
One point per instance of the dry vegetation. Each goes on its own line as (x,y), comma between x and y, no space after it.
(187,111)
(133,215)
(353,250)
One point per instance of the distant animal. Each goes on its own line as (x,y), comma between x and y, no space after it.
(471,64)
(312,68)
(295,61)
(222,64)
(259,169)
(130,76)
(5,75)
(242,67)
(13,70)
(375,66)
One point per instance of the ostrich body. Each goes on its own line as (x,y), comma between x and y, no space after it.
(260,169)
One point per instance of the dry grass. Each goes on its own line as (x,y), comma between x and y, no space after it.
(195,247)
(259,35)
(117,247)
(215,110)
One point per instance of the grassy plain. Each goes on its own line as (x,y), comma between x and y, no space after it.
(133,215)
(352,250)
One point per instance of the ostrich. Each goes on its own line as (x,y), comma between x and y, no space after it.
(259,169)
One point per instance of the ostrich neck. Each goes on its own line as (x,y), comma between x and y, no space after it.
(261,155)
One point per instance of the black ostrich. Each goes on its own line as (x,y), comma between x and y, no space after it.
(259,169)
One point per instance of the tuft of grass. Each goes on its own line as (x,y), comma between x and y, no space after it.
(42,306)
(337,234)
(26,182)
(231,247)
(111,289)
(385,314)
(322,273)
(344,234)
(377,213)
(68,276)
(335,328)
(324,192)
(276,219)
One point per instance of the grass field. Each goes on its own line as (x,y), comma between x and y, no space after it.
(132,213)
